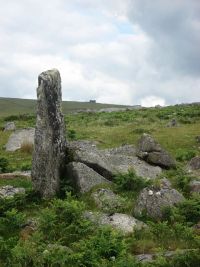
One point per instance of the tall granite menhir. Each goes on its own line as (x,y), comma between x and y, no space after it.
(50,144)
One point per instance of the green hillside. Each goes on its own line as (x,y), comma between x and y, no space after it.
(15,106)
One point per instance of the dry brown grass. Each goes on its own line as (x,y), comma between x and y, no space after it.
(27,147)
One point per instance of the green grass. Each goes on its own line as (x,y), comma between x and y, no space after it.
(117,128)
(61,217)
(17,182)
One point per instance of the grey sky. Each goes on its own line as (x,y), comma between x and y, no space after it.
(114,51)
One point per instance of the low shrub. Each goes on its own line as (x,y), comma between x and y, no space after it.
(184,155)
(71,134)
(64,221)
(130,182)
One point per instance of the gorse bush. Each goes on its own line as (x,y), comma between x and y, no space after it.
(3,165)
(130,182)
(63,220)
(190,209)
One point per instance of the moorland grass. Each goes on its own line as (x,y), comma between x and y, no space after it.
(64,237)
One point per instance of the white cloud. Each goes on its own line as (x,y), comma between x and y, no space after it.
(126,52)
(152,101)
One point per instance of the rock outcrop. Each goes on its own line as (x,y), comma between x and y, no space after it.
(50,144)
(195,186)
(194,164)
(151,201)
(110,162)
(122,222)
(20,138)
(108,201)
(83,177)
(151,151)
(10,191)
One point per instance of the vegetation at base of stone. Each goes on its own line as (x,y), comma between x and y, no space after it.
(71,134)
(187,212)
(63,237)
(130,182)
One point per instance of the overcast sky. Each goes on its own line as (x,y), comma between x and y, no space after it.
(115,51)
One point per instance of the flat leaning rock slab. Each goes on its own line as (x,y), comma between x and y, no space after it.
(20,137)
(110,162)
(84,177)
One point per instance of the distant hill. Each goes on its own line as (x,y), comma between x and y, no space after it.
(15,106)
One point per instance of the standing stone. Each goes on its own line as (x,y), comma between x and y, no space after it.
(50,144)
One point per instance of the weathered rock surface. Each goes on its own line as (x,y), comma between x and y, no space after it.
(83,177)
(9,126)
(20,138)
(195,186)
(49,143)
(109,162)
(108,201)
(10,191)
(119,221)
(151,151)
(194,164)
(126,150)
(152,201)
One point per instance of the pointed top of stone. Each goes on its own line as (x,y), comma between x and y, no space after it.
(50,76)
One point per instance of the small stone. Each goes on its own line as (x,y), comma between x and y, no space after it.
(108,201)
(158,193)
(198,139)
(9,126)
(150,192)
(195,186)
(194,163)
(153,204)
(10,191)
(151,151)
